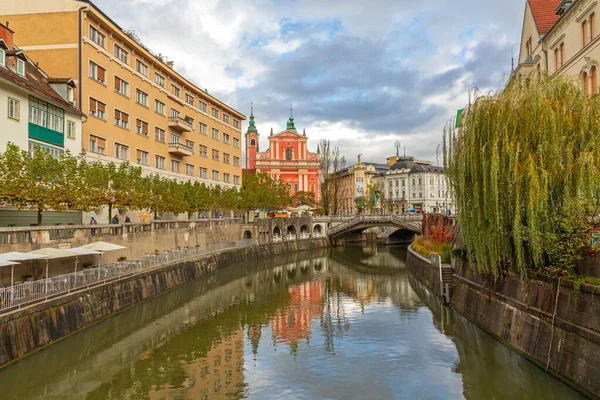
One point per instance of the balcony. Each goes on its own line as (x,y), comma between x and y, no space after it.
(180,149)
(180,124)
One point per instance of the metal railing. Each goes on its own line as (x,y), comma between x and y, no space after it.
(40,290)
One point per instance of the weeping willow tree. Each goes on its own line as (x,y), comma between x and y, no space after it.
(524,167)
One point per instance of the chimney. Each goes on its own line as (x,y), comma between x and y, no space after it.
(7,35)
(170,64)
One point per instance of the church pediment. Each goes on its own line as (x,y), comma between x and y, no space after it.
(287,134)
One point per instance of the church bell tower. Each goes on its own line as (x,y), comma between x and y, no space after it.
(251,142)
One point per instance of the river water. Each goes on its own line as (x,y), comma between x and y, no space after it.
(337,324)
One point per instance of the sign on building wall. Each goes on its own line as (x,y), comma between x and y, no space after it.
(359,187)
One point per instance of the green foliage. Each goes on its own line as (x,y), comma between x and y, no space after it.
(43,182)
(524,166)
(302,198)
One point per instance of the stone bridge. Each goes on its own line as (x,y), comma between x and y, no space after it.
(363,222)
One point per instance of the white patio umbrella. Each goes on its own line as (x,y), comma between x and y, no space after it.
(50,253)
(79,251)
(102,247)
(12,257)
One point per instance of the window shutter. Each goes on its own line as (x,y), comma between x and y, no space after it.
(101,107)
(101,73)
(93,105)
(117,83)
(125,117)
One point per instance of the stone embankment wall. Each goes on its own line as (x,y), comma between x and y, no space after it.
(520,313)
(27,330)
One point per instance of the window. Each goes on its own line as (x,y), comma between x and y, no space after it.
(159,79)
(142,157)
(46,115)
(121,54)
(174,113)
(97,72)
(141,127)
(159,135)
(215,134)
(175,89)
(236,161)
(226,158)
(295,187)
(215,155)
(592,26)
(175,166)
(225,138)
(97,144)
(141,67)
(585,32)
(121,86)
(215,175)
(97,37)
(121,151)
(431,181)
(203,173)
(202,106)
(593,80)
(189,170)
(236,124)
(202,128)
(70,94)
(21,67)
(413,181)
(529,48)
(121,119)
(559,53)
(226,118)
(236,143)
(203,151)
(141,98)
(159,162)
(71,129)
(226,178)
(14,109)
(159,107)
(175,138)
(236,180)
(288,153)
(189,99)
(36,146)
(420,194)
(2,57)
(396,182)
(215,112)
(189,144)
(97,109)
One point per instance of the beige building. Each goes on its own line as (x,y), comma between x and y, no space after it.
(355,186)
(560,38)
(138,108)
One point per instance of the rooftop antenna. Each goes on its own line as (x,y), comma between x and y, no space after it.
(398,144)
(512,60)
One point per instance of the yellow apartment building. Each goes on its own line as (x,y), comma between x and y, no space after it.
(560,37)
(138,108)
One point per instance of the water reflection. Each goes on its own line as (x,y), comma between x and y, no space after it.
(350,323)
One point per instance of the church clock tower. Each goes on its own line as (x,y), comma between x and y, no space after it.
(251,142)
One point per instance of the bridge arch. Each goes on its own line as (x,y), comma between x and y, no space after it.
(276,231)
(247,234)
(317,230)
(304,229)
(363,222)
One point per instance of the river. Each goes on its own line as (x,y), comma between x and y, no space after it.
(346,323)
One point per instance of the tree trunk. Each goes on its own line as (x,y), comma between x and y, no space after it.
(109,213)
(39,217)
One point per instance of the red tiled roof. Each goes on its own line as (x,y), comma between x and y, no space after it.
(36,83)
(544,14)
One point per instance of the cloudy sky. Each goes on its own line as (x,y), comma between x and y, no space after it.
(362,73)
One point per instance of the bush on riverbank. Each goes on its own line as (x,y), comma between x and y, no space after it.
(427,247)
(524,167)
